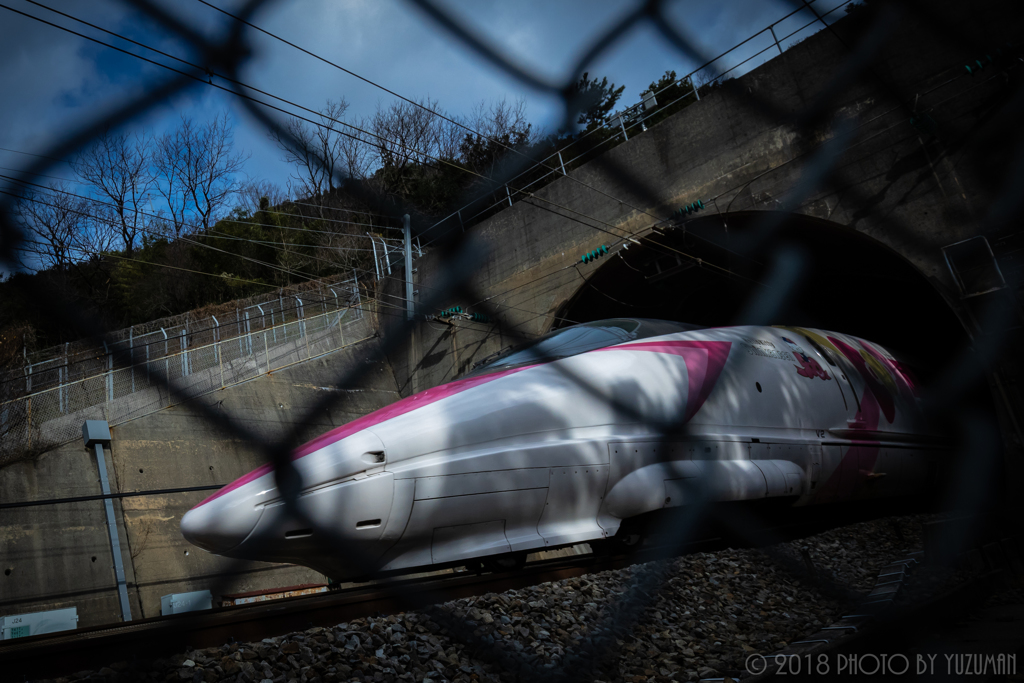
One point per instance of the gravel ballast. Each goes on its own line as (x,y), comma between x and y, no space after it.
(696,616)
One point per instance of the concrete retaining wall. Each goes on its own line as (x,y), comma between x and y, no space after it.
(59,556)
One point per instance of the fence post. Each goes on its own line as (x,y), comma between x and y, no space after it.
(266,351)
(131,353)
(385,256)
(376,263)
(302,324)
(337,308)
(509,192)
(216,348)
(407,232)
(238,329)
(167,367)
(184,353)
(110,373)
(64,397)
(248,335)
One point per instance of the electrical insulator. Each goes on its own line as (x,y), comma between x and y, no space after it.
(595,254)
(692,207)
(449,312)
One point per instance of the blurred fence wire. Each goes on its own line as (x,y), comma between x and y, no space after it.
(183,362)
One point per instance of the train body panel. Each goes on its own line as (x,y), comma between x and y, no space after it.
(562,450)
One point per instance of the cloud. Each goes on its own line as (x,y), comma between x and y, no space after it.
(53,81)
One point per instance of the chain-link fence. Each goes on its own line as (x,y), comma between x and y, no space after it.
(183,370)
(200,357)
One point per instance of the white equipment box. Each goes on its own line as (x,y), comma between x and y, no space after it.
(176,603)
(35,623)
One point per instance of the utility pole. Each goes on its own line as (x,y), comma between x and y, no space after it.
(407,230)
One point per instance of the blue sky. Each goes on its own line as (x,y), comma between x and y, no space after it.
(53,81)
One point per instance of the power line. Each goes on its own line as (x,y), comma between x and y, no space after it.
(153,232)
(233,220)
(18,151)
(368,81)
(725,270)
(229,90)
(361,212)
(427,155)
(309,277)
(632,125)
(536,162)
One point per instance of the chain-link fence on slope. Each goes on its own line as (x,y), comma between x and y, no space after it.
(200,357)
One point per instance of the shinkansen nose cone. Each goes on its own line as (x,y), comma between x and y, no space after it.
(225,519)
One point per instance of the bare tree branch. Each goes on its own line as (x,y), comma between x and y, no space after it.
(118,169)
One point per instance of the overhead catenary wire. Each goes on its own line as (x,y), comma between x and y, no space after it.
(272,209)
(439,160)
(240,221)
(250,98)
(307,276)
(241,94)
(513,149)
(678,81)
(368,250)
(182,238)
(215,85)
(530,194)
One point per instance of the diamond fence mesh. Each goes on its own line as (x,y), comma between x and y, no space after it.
(180,369)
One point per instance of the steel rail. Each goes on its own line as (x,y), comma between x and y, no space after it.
(59,654)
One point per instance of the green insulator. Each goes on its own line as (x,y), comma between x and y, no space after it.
(968,67)
(700,203)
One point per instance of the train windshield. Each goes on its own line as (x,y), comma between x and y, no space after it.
(570,341)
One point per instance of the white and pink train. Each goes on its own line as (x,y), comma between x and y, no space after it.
(521,456)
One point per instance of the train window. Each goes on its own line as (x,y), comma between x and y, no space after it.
(570,341)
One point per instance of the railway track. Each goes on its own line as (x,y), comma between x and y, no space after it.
(61,654)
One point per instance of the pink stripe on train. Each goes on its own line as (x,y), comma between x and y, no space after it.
(704,362)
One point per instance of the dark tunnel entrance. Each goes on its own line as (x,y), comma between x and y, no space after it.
(848,283)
